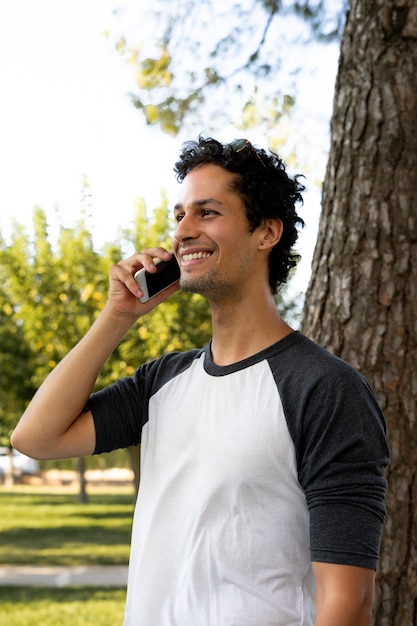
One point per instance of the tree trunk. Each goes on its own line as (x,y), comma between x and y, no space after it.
(362,299)
(82,494)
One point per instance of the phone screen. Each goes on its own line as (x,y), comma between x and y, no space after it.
(167,273)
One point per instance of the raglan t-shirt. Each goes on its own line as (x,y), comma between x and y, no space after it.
(249,472)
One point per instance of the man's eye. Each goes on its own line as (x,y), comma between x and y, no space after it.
(178,218)
(208,212)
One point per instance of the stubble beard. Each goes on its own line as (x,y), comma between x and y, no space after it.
(210,286)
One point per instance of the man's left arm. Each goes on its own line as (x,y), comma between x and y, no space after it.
(344,594)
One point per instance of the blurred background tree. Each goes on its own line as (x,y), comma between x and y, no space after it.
(209,63)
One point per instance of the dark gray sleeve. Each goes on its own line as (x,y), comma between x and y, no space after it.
(121,410)
(339,435)
(118,413)
(342,472)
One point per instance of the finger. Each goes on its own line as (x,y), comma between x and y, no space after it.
(146,258)
(120,275)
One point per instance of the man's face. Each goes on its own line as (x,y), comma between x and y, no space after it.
(216,252)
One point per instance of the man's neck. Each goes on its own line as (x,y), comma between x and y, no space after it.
(241,331)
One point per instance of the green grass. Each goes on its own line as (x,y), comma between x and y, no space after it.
(35,606)
(41,528)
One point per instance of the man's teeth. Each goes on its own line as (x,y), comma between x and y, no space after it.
(196,255)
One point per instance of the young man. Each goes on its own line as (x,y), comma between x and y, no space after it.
(262,474)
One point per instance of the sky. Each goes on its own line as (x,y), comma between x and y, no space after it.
(65,115)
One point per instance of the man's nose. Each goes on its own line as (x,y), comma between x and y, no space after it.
(187,228)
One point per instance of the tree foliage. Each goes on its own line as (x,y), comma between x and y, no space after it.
(208,59)
(15,367)
(49,296)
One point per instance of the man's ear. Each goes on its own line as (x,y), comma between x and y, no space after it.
(270,233)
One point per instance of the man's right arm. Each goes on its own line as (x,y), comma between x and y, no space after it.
(55,424)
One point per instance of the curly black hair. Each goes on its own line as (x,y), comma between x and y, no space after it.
(266,190)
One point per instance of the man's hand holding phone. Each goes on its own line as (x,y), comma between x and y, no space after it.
(152,283)
(142,281)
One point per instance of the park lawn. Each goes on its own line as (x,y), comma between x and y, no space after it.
(35,606)
(43,528)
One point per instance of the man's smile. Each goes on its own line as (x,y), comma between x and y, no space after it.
(194,256)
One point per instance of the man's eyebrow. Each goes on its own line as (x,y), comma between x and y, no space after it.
(198,203)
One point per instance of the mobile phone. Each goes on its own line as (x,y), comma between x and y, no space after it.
(167,273)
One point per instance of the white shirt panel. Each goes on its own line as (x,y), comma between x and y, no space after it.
(220,512)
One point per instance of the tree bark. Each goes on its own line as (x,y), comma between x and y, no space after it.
(362,298)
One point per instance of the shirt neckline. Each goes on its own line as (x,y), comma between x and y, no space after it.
(223,370)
